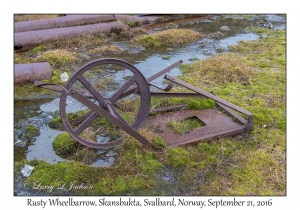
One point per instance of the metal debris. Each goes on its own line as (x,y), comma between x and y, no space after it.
(32,72)
(216,123)
(61,22)
(29,39)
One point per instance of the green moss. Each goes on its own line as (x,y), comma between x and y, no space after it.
(150,164)
(269,52)
(28,91)
(30,131)
(64,144)
(123,186)
(55,123)
(192,103)
(200,104)
(159,142)
(208,148)
(281,123)
(149,41)
(38,49)
(179,157)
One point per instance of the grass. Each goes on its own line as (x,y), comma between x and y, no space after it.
(27,17)
(107,49)
(219,69)
(252,76)
(184,125)
(168,37)
(58,57)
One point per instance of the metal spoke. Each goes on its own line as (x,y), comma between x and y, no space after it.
(119,116)
(86,123)
(90,87)
(105,106)
(123,88)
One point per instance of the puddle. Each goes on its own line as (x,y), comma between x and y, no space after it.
(39,111)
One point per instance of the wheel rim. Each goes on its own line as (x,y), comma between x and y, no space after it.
(104,102)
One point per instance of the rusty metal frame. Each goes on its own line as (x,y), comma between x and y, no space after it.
(216,123)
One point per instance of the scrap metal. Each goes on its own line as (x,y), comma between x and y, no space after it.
(215,123)
(61,22)
(31,72)
(29,39)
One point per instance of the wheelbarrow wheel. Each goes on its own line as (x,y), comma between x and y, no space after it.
(135,84)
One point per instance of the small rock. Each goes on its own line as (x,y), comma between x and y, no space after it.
(166,178)
(186,132)
(206,21)
(101,152)
(224,28)
(268,25)
(111,153)
(157,130)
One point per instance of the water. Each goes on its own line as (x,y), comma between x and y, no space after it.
(39,111)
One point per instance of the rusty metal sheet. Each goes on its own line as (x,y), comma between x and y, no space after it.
(60,22)
(216,124)
(31,72)
(29,39)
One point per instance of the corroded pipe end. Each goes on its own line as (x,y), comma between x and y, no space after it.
(31,72)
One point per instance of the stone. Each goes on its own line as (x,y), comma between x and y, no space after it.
(224,28)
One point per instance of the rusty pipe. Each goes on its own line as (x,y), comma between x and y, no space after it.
(61,22)
(29,39)
(31,72)
(130,18)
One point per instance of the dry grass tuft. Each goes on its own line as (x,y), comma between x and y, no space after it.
(82,42)
(220,69)
(20,18)
(169,37)
(58,57)
(107,49)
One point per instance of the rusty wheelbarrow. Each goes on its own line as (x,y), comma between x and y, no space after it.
(81,87)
